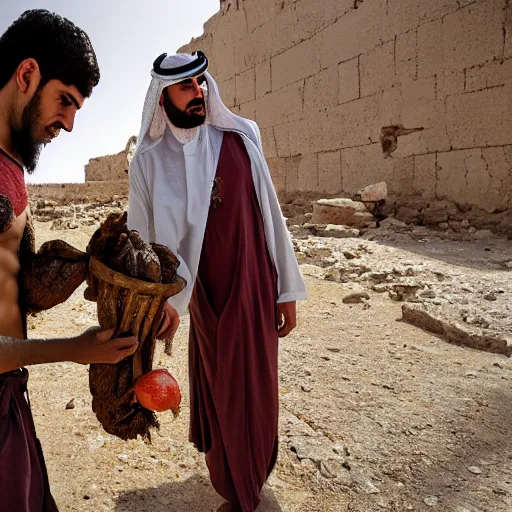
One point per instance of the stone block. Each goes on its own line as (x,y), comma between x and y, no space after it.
(258,13)
(406,56)
(490,74)
(278,168)
(450,82)
(251,48)
(496,198)
(308,173)
(432,118)
(402,16)
(292,173)
(418,92)
(364,165)
(378,69)
(223,57)
(432,319)
(248,110)
(295,138)
(408,215)
(403,175)
(296,63)
(280,107)
(263,78)
(282,138)
(329,172)
(351,124)
(435,213)
(473,35)
(341,211)
(452,173)
(302,20)
(481,219)
(391,106)
(424,182)
(228,92)
(245,86)
(373,193)
(507,27)
(482,118)
(482,189)
(415,202)
(430,49)
(301,134)
(284,172)
(334,231)
(269,143)
(348,80)
(321,90)
(359,31)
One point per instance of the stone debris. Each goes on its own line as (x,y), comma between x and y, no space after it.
(372,193)
(74,216)
(341,211)
(473,311)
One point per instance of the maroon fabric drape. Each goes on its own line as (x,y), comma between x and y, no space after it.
(23,479)
(233,337)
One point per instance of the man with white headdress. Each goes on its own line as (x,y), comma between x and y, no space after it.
(200,185)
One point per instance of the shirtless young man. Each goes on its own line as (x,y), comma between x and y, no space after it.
(47,69)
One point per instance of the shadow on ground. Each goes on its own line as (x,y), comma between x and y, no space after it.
(475,472)
(490,254)
(192,495)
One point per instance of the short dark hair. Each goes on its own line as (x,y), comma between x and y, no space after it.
(62,50)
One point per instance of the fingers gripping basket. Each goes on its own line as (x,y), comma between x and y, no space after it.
(130,306)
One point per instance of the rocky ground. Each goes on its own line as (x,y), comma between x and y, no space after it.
(376,413)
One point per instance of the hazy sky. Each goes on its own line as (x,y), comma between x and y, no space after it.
(127,36)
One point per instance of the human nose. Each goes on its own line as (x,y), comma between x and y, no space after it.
(68,119)
(198,91)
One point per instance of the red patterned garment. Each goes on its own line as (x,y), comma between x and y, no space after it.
(13,192)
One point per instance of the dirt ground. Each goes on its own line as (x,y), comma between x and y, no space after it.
(375,413)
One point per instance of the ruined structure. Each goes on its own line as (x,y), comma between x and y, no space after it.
(351,92)
(105,177)
(111,167)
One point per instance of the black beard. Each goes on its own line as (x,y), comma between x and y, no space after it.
(182,118)
(22,138)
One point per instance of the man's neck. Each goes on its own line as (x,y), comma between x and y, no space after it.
(183,135)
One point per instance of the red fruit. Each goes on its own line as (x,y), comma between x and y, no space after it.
(158,391)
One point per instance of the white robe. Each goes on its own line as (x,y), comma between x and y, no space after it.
(169,199)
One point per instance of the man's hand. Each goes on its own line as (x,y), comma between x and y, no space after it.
(169,322)
(286,318)
(97,346)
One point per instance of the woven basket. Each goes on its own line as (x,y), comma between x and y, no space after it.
(127,304)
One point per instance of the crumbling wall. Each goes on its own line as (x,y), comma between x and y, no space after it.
(91,191)
(111,167)
(349,92)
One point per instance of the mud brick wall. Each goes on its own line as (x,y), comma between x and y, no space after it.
(349,92)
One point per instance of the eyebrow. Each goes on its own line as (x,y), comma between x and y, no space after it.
(73,99)
(200,79)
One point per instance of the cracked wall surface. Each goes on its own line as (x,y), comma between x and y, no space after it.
(323,78)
